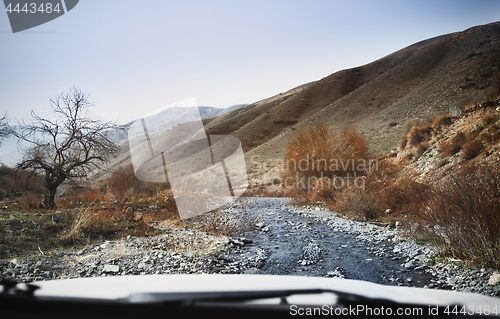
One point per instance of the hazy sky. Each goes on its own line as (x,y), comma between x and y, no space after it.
(136,56)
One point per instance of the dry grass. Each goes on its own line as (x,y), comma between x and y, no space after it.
(82,218)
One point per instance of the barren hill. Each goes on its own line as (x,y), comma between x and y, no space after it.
(378,98)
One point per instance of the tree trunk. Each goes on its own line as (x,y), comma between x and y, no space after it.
(50,199)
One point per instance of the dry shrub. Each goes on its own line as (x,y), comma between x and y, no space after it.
(442,120)
(490,136)
(421,130)
(417,121)
(463,210)
(472,149)
(403,195)
(453,146)
(247,220)
(490,119)
(421,148)
(493,92)
(357,203)
(124,184)
(29,200)
(123,181)
(262,191)
(90,196)
(318,153)
(327,195)
(419,134)
(384,189)
(146,220)
(218,224)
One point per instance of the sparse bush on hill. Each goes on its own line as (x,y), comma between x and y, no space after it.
(491,135)
(472,149)
(403,142)
(453,145)
(419,134)
(442,120)
(421,148)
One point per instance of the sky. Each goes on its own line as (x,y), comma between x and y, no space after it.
(133,57)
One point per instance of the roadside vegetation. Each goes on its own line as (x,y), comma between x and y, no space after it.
(442,184)
(119,206)
(47,200)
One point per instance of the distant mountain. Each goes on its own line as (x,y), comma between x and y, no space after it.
(10,152)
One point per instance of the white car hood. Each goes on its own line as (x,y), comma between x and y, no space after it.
(117,287)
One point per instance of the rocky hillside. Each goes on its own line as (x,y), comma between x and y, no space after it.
(421,80)
(381,99)
(431,150)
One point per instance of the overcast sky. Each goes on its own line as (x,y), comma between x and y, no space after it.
(137,56)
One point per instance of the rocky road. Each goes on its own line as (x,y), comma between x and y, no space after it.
(313,242)
(273,237)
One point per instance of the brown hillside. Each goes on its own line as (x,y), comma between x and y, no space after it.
(378,98)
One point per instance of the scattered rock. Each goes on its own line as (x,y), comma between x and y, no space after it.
(494,279)
(105,245)
(111,268)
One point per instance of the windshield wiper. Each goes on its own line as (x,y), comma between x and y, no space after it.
(14,300)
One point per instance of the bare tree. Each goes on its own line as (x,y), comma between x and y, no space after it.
(4,128)
(67,145)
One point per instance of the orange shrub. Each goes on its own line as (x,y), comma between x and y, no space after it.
(123,181)
(384,189)
(317,153)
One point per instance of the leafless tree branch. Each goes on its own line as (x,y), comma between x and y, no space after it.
(68,145)
(4,128)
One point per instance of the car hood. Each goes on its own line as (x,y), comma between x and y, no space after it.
(119,287)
